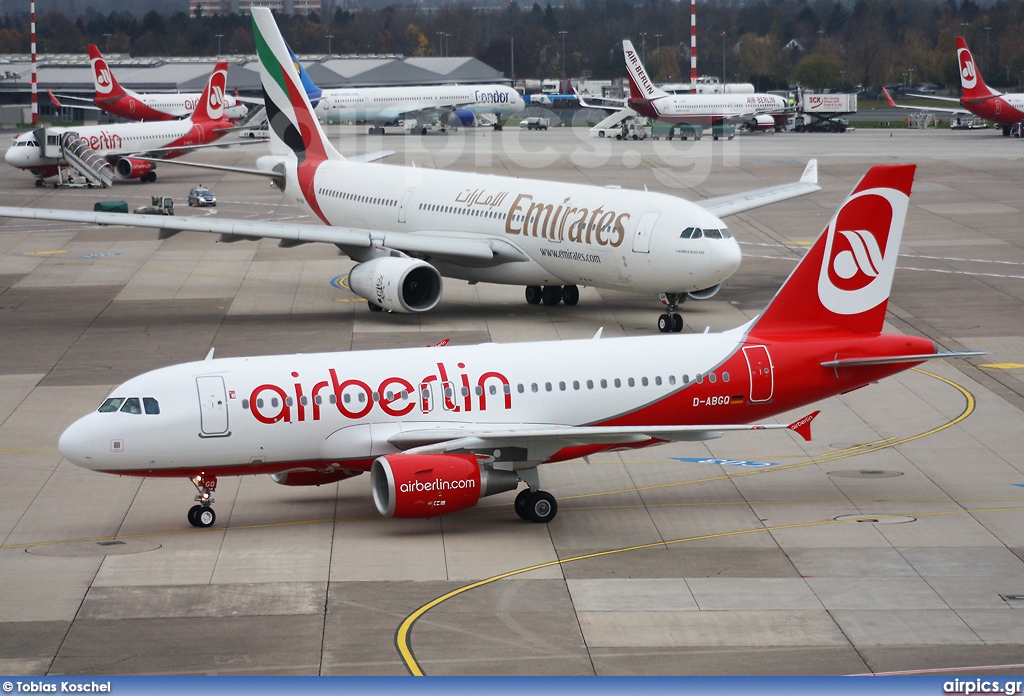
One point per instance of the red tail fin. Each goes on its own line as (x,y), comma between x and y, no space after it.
(973,85)
(211,104)
(102,78)
(843,283)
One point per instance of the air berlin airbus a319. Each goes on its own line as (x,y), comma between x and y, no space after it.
(439,428)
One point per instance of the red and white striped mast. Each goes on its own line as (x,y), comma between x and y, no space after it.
(35,94)
(693,46)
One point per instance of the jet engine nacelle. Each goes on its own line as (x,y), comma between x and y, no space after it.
(397,284)
(130,168)
(762,122)
(429,485)
(463,117)
(312,478)
(705,294)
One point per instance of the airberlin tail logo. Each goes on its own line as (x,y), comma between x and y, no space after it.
(861,246)
(968,73)
(215,96)
(104,84)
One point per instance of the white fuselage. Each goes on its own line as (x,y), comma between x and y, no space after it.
(690,108)
(183,104)
(570,234)
(340,408)
(109,141)
(386,105)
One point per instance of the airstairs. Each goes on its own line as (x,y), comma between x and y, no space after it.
(94,169)
(612,123)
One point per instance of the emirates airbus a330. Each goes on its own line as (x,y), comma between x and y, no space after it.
(439,428)
(134,106)
(130,147)
(409,227)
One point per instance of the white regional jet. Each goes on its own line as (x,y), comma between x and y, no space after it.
(439,428)
(407,227)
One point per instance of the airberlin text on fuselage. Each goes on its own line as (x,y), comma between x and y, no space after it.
(395,396)
(105,141)
(605,227)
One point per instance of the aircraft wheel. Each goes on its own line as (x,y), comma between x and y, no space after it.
(374,307)
(570,295)
(192,512)
(551,295)
(423,131)
(40,183)
(600,134)
(664,323)
(204,517)
(541,507)
(520,504)
(533,294)
(677,323)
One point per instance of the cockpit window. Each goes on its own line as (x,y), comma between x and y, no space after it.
(111,405)
(697,234)
(713,234)
(152,406)
(726,234)
(131,406)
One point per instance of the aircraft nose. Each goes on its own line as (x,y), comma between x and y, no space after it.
(77,444)
(731,255)
(11,155)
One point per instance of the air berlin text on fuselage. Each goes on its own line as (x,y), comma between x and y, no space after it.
(395,396)
(104,141)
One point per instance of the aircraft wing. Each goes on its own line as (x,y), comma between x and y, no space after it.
(478,250)
(740,202)
(541,441)
(893,104)
(620,104)
(366,157)
(53,98)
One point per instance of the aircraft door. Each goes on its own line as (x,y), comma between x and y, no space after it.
(213,406)
(405,203)
(644,228)
(762,375)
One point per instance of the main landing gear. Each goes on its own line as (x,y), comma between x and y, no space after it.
(376,130)
(671,322)
(202,515)
(533,504)
(551,295)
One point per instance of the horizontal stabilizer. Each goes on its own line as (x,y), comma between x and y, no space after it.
(897,359)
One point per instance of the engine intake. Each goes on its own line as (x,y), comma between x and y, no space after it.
(762,122)
(397,284)
(705,294)
(301,477)
(130,168)
(429,485)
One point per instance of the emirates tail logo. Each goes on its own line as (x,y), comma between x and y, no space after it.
(861,246)
(104,84)
(968,73)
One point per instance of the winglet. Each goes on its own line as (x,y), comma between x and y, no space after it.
(810,175)
(802,427)
(54,99)
(209,356)
(442,342)
(600,330)
(888,98)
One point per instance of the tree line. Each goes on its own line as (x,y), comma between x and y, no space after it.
(772,43)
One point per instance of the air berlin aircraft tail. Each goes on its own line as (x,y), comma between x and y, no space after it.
(103,79)
(973,85)
(211,103)
(640,83)
(842,284)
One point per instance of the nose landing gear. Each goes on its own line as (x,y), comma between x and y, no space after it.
(202,515)
(671,322)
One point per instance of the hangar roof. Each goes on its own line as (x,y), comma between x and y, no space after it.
(71,73)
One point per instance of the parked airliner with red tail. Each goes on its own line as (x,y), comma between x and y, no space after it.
(439,428)
(977,98)
(129,147)
(114,99)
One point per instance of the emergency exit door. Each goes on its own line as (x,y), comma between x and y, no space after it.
(762,377)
